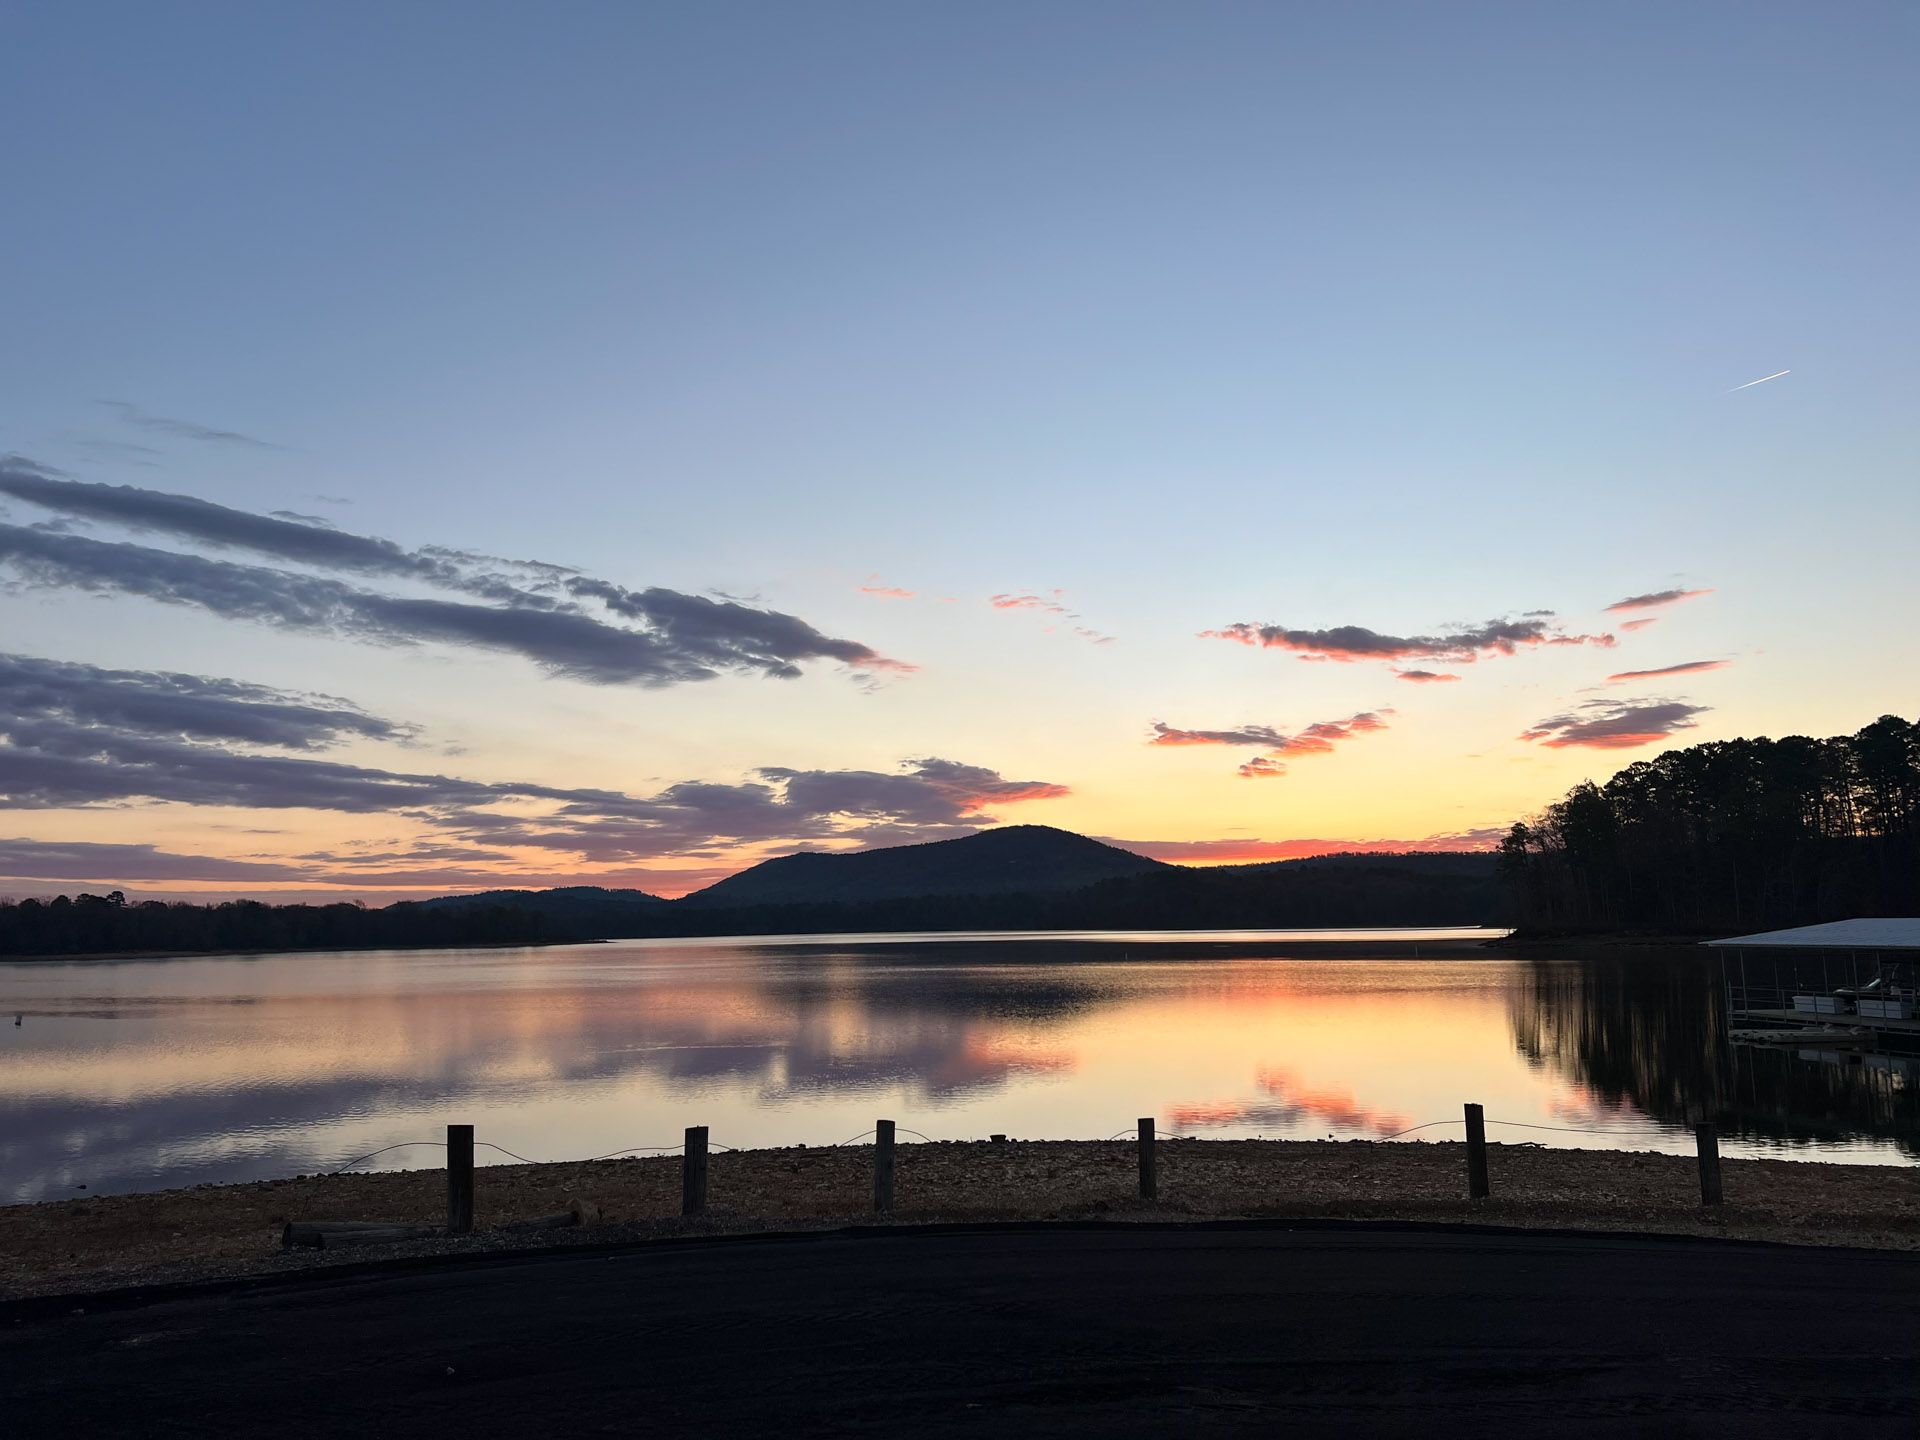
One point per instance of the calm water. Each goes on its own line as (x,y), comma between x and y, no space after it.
(145,1074)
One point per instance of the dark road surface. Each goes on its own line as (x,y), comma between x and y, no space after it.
(1122,1331)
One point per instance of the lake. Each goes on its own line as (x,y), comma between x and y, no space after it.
(138,1075)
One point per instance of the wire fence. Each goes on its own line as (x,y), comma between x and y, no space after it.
(461,1145)
(1643,1133)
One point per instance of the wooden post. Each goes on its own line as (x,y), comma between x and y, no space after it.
(883,1167)
(1477,1188)
(1149,1182)
(1708,1141)
(459,1179)
(693,1172)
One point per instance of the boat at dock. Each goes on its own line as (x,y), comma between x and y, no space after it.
(1847,984)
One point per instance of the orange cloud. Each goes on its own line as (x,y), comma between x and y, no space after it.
(1641,623)
(886,592)
(1691,667)
(1030,602)
(1317,739)
(1424,677)
(1052,603)
(1250,851)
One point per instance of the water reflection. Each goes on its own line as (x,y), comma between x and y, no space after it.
(1647,1034)
(139,1075)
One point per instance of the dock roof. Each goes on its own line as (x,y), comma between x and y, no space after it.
(1888,934)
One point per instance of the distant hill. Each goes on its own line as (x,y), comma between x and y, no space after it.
(566,901)
(1337,892)
(1023,877)
(1016,859)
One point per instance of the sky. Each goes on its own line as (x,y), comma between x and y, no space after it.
(450,446)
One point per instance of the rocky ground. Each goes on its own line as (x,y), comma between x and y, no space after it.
(208,1231)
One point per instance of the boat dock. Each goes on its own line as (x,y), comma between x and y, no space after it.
(1845,985)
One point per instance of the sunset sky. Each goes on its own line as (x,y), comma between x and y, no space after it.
(460,445)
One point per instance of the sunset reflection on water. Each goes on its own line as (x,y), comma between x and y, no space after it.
(137,1075)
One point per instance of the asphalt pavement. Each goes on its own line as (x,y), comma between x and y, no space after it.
(1036,1331)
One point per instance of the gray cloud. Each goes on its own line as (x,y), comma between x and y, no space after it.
(283,537)
(930,792)
(1165,734)
(1356,642)
(1655,598)
(412,856)
(1614,724)
(84,860)
(50,766)
(186,707)
(185,429)
(126,452)
(533,611)
(720,626)
(77,736)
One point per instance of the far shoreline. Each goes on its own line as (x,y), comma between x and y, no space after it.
(255,952)
(1395,942)
(1552,939)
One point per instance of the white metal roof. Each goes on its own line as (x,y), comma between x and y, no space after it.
(1896,934)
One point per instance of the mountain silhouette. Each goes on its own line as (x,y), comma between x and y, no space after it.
(567,900)
(1015,859)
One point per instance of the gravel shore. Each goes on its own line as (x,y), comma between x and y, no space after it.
(228,1230)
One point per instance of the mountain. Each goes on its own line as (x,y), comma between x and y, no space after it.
(568,901)
(1016,859)
(1335,892)
(1022,877)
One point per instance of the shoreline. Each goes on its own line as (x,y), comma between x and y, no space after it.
(255,952)
(234,1231)
(1399,947)
(1603,940)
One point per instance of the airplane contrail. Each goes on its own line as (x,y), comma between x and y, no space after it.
(1761,381)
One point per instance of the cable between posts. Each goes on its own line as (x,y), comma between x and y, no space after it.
(404,1144)
(633,1150)
(1117,1135)
(489,1145)
(1522,1125)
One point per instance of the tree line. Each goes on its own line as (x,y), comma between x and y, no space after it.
(1730,835)
(110,925)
